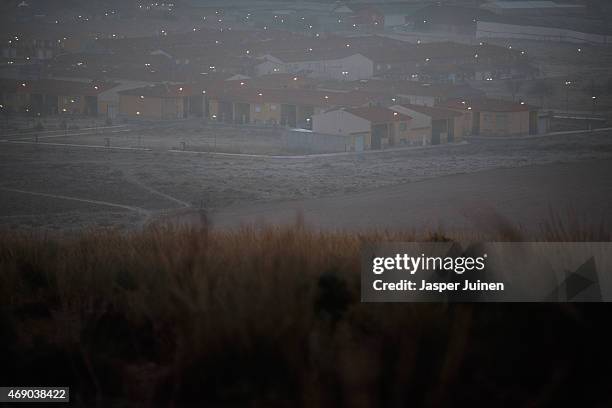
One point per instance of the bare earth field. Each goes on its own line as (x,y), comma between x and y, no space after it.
(62,188)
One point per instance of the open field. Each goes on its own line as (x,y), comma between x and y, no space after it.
(65,187)
(526,197)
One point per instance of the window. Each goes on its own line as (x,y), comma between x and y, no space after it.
(403,126)
(273,107)
(257,108)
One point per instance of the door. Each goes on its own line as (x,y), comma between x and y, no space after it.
(91,105)
(533,122)
(359,143)
(242,113)
(378,133)
(288,115)
(438,127)
(476,123)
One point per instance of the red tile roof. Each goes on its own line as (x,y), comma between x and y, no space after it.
(433,112)
(487,105)
(317,54)
(161,91)
(410,88)
(303,97)
(57,87)
(376,114)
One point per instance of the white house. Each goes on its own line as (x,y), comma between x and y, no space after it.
(434,125)
(368,127)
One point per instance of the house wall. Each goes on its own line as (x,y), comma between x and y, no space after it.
(172,108)
(419,120)
(148,107)
(401,135)
(265,113)
(108,101)
(339,122)
(213,109)
(268,67)
(15,101)
(259,113)
(418,100)
(504,123)
(356,66)
(419,136)
(421,125)
(460,129)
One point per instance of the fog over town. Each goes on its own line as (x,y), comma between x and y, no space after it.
(284,203)
(356,114)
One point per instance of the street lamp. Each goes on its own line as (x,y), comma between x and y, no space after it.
(594,99)
(567,86)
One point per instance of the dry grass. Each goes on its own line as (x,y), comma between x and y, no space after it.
(271,317)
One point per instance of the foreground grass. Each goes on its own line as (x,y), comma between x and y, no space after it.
(271,317)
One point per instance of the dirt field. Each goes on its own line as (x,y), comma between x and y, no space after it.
(61,187)
(525,197)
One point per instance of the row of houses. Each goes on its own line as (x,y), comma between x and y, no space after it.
(417,125)
(186,57)
(50,96)
(369,114)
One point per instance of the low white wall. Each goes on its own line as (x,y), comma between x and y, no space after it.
(499,30)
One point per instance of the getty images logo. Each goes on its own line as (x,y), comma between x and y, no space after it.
(413,264)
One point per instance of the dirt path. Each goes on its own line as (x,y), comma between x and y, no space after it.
(82,200)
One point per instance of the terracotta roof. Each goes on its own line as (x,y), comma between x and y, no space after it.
(412,88)
(378,115)
(487,105)
(57,87)
(320,54)
(161,91)
(304,97)
(433,112)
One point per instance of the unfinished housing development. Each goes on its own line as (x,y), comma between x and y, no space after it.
(490,117)
(369,127)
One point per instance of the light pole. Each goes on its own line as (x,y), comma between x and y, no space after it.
(594,99)
(567,86)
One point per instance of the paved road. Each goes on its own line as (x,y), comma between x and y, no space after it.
(523,195)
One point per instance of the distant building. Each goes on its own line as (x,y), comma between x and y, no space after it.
(529,8)
(324,64)
(433,125)
(412,92)
(50,96)
(160,102)
(544,30)
(494,117)
(368,127)
(443,18)
(285,107)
